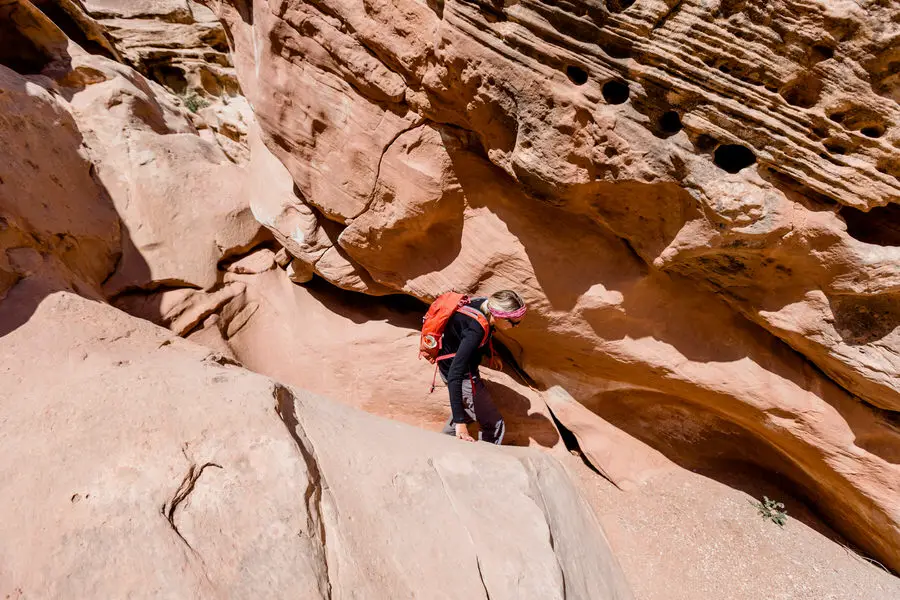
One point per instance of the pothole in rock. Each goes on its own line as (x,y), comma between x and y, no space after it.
(889,167)
(670,122)
(751,76)
(819,130)
(729,8)
(616,49)
(704,143)
(803,91)
(873,132)
(820,52)
(836,146)
(169,76)
(880,226)
(615,92)
(617,6)
(861,320)
(577,75)
(856,118)
(733,158)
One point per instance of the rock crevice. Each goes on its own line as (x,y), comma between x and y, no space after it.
(169,508)
(317,486)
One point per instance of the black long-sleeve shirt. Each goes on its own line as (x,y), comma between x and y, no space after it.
(462,335)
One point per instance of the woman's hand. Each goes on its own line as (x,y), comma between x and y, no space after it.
(462,432)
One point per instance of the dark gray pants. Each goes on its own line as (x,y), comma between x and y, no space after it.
(479,407)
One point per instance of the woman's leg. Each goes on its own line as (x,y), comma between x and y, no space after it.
(489,418)
(468,397)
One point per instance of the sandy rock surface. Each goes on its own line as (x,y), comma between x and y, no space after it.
(158,469)
(684,536)
(680,515)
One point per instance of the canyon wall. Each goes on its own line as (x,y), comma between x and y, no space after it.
(698,199)
(138,464)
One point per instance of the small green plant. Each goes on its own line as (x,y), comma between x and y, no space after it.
(193,102)
(771,510)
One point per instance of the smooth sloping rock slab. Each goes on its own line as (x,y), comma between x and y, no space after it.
(136,464)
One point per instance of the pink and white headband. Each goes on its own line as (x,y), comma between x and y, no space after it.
(511,314)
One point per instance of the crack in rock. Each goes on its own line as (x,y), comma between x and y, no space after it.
(532,469)
(418,123)
(315,523)
(447,493)
(184,490)
(220,359)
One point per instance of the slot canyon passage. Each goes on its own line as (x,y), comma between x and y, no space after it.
(221,223)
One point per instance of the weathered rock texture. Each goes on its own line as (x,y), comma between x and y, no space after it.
(155,469)
(178,43)
(167,195)
(181,45)
(697,198)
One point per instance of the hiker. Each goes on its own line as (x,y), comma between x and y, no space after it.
(466,330)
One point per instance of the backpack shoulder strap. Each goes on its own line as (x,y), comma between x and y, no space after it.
(476,314)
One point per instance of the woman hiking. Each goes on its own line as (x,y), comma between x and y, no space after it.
(466,333)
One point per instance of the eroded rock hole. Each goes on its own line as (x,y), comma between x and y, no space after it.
(618,5)
(864,320)
(859,118)
(169,76)
(577,75)
(889,167)
(670,122)
(217,40)
(819,53)
(245,9)
(615,92)
(729,8)
(705,143)
(216,59)
(803,91)
(437,6)
(881,225)
(733,158)
(819,131)
(872,132)
(617,49)
(835,146)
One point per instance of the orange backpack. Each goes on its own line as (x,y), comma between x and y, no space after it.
(435,321)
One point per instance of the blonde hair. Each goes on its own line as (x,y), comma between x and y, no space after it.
(505,301)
